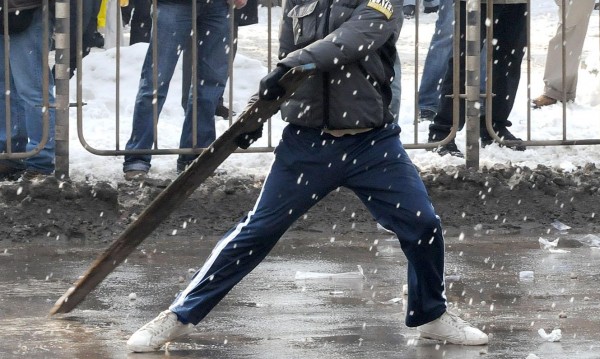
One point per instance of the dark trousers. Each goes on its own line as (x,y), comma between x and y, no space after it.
(308,165)
(137,15)
(509,28)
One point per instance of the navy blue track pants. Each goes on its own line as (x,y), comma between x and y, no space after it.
(308,165)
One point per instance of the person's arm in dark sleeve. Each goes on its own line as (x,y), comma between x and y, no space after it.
(370,26)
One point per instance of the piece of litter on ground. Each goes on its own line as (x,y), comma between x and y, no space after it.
(405,289)
(558,250)
(532,356)
(394,300)
(526,275)
(590,240)
(560,226)
(132,296)
(554,336)
(317,275)
(452,278)
(546,244)
(336,292)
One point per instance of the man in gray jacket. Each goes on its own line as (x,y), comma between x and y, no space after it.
(340,133)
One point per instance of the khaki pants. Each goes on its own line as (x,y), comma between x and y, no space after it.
(577,16)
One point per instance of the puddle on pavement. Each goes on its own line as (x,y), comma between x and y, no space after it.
(271,314)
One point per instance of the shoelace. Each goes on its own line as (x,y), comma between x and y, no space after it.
(153,326)
(456,320)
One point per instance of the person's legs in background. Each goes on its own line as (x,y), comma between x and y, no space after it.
(27,83)
(11,169)
(91,36)
(429,6)
(436,61)
(212,67)
(577,17)
(174,23)
(141,21)
(510,35)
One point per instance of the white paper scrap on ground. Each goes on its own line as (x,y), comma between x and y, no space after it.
(560,226)
(526,275)
(317,275)
(532,356)
(554,336)
(551,245)
(546,244)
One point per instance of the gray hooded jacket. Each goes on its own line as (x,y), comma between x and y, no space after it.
(352,43)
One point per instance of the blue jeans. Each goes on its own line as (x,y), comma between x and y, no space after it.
(382,176)
(436,62)
(26,98)
(174,28)
(396,89)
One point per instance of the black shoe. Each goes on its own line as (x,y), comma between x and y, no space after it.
(431,9)
(135,175)
(9,173)
(409,11)
(426,115)
(504,134)
(223,112)
(97,40)
(447,149)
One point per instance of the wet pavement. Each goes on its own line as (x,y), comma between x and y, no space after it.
(271,314)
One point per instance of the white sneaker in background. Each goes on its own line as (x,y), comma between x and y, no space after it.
(452,329)
(159,331)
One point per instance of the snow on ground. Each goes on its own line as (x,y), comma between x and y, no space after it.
(99,115)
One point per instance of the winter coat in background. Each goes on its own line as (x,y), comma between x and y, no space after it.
(18,22)
(14,5)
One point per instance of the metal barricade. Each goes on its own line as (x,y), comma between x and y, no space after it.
(9,152)
(157,150)
(472,94)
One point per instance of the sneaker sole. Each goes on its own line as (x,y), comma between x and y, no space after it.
(445,339)
(141,348)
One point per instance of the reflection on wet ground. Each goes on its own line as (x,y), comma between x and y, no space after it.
(271,314)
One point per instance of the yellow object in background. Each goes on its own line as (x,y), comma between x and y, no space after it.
(102,13)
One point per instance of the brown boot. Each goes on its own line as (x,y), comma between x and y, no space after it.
(135,175)
(542,101)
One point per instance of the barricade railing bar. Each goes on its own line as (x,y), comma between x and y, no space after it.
(473,96)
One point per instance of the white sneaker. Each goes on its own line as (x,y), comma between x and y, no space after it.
(160,330)
(452,329)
